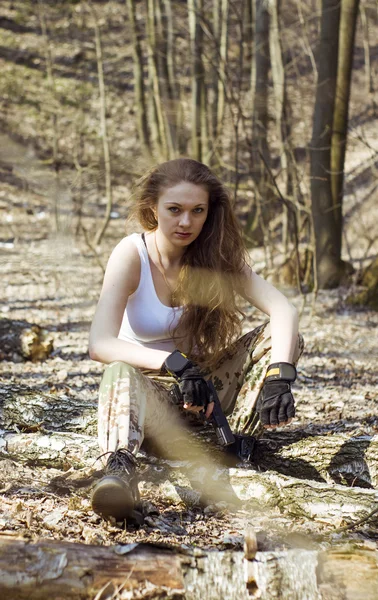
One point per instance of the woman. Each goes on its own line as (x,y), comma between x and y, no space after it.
(175,288)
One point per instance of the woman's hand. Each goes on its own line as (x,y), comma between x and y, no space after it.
(193,387)
(275,402)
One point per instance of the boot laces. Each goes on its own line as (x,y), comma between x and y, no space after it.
(120,462)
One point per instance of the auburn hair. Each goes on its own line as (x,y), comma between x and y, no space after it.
(211,275)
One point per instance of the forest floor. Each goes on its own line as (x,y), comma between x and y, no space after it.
(54,280)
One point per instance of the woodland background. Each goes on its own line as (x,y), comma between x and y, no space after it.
(280,99)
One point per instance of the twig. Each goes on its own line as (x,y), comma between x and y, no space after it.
(290,206)
(360,522)
(92,248)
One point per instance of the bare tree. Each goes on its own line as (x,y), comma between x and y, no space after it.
(103,126)
(49,62)
(366,42)
(325,214)
(156,116)
(260,154)
(348,21)
(139,87)
(170,52)
(199,108)
(220,27)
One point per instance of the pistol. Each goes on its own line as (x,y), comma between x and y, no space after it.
(217,419)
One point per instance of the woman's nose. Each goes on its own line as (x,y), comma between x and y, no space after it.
(184,219)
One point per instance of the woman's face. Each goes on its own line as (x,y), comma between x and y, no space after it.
(181,211)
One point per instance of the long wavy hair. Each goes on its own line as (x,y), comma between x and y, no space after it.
(211,276)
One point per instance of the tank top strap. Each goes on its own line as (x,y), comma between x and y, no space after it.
(143,254)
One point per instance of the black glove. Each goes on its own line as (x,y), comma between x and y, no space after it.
(275,402)
(193,387)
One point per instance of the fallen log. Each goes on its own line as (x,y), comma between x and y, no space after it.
(322,457)
(323,502)
(303,453)
(23,408)
(59,450)
(179,482)
(62,571)
(336,574)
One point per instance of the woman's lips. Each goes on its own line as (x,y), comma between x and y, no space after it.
(183,234)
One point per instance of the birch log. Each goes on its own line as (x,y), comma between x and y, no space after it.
(65,571)
(183,482)
(304,453)
(62,570)
(23,408)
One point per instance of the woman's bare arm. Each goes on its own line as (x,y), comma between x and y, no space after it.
(283,315)
(121,279)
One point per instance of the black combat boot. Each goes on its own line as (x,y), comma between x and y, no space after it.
(116,494)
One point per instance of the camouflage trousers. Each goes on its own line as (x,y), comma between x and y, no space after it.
(135,404)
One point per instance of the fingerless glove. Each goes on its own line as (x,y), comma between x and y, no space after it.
(275,403)
(193,387)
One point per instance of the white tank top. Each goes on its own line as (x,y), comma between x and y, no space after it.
(147,321)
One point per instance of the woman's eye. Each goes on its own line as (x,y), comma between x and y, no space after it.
(173,209)
(198,210)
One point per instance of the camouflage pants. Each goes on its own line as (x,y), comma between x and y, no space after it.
(135,404)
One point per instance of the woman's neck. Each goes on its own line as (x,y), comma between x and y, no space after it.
(170,255)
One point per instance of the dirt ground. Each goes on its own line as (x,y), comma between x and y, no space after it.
(54,280)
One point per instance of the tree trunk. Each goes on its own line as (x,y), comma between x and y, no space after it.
(165,84)
(325,214)
(199,131)
(284,119)
(259,144)
(156,109)
(64,570)
(139,87)
(366,42)
(173,82)
(261,57)
(215,74)
(340,573)
(103,128)
(20,340)
(221,82)
(348,22)
(328,458)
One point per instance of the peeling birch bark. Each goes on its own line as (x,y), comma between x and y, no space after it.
(64,571)
(304,454)
(329,458)
(25,408)
(326,503)
(182,482)
(59,450)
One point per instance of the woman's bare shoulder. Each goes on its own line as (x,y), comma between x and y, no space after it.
(124,261)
